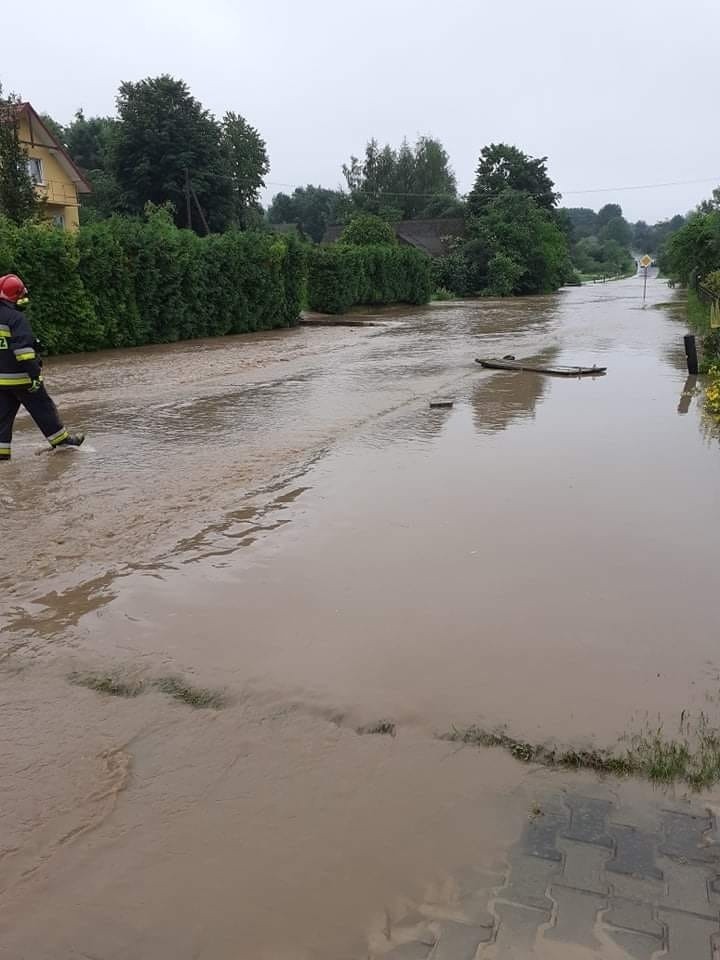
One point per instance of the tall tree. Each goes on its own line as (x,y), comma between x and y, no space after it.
(619,230)
(18,201)
(249,164)
(55,128)
(610,211)
(402,184)
(517,246)
(433,174)
(165,142)
(642,236)
(583,221)
(311,208)
(694,248)
(503,167)
(89,141)
(712,203)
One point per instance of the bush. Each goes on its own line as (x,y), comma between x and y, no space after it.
(693,249)
(340,276)
(712,391)
(368,230)
(442,294)
(503,276)
(47,260)
(711,282)
(456,273)
(711,348)
(128,281)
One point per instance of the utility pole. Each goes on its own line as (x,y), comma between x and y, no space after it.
(188,207)
(200,210)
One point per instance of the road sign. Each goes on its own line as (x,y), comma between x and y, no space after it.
(645,261)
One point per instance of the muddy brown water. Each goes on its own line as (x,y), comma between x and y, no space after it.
(284,517)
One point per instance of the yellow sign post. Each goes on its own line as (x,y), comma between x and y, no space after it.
(645,263)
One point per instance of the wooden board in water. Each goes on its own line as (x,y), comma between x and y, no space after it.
(556,370)
(337,322)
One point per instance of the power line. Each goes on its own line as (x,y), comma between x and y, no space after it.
(645,186)
(380,194)
(436,196)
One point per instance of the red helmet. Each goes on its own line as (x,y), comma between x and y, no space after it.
(12,288)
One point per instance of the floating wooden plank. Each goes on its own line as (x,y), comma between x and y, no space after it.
(554,370)
(441,403)
(337,322)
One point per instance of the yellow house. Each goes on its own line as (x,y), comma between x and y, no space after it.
(57,180)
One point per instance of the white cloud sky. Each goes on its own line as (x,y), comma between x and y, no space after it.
(614,93)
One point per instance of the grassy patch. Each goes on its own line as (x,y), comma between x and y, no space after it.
(383,727)
(692,757)
(198,697)
(698,313)
(600,760)
(114,685)
(122,685)
(442,293)
(712,391)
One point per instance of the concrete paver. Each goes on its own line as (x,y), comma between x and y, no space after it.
(578,876)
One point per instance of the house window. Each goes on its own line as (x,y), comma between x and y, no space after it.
(35,169)
(59,221)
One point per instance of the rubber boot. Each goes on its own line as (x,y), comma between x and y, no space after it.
(72,440)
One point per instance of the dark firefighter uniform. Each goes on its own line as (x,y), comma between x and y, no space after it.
(21,381)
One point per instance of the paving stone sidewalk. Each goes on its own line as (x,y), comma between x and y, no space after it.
(587,871)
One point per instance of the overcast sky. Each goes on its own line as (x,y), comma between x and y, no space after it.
(616,94)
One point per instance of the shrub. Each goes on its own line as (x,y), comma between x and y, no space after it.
(128,281)
(442,294)
(47,260)
(712,282)
(342,275)
(368,230)
(503,276)
(712,391)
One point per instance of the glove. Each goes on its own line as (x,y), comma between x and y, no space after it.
(35,385)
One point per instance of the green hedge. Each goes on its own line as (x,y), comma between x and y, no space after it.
(340,276)
(125,281)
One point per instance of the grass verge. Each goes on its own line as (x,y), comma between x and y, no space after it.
(198,697)
(692,757)
(120,685)
(698,315)
(383,727)
(114,685)
(442,293)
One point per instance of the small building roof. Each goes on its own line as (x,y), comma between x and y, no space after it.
(430,236)
(40,134)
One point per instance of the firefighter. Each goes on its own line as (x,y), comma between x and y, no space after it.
(21,382)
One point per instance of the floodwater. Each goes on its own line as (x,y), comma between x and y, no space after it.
(284,518)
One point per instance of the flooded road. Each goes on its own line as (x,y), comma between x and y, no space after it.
(282,517)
